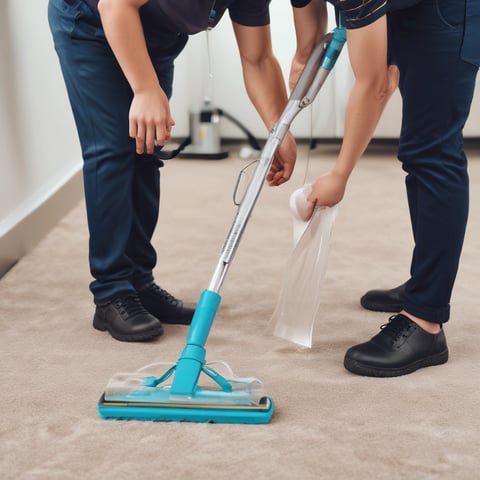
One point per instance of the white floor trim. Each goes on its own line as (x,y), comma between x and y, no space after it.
(26,234)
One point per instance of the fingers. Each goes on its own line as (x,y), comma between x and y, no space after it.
(148,135)
(309,211)
(277,179)
(287,171)
(163,132)
(280,172)
(135,133)
(284,162)
(149,139)
(276,175)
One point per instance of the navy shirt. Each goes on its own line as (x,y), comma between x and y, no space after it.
(358,13)
(193,16)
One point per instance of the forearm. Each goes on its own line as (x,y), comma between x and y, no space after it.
(262,74)
(124,32)
(310,27)
(363,112)
(374,84)
(266,89)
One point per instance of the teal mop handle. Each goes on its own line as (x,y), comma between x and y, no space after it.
(322,60)
(334,47)
(192,358)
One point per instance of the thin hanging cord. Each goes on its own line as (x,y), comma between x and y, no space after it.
(305,178)
(209,88)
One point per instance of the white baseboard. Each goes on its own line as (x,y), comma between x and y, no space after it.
(28,232)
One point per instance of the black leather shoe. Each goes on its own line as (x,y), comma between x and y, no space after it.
(384,300)
(127,320)
(164,306)
(401,347)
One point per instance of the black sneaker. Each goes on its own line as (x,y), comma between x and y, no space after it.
(384,300)
(165,306)
(401,347)
(127,320)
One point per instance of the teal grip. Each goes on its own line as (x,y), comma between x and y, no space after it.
(188,370)
(334,47)
(192,358)
(203,317)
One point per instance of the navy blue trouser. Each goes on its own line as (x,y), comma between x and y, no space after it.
(122,189)
(437,88)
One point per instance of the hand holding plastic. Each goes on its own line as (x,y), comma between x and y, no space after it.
(299,204)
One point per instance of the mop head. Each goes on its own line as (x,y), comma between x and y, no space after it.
(141,396)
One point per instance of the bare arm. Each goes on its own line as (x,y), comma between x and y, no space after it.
(310,27)
(266,88)
(149,117)
(374,84)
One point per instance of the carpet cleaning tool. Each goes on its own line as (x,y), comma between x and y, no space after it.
(176,394)
(205,141)
(298,304)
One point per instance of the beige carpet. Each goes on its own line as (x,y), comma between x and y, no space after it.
(328,424)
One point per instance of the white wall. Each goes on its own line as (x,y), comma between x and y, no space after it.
(39,143)
(229,92)
(39,151)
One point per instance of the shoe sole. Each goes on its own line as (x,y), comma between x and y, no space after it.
(369,371)
(178,321)
(173,318)
(378,307)
(137,337)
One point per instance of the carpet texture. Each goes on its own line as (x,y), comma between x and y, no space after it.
(328,423)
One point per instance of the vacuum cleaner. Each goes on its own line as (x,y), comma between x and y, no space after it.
(205,140)
(176,395)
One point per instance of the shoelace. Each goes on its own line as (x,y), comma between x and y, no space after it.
(396,327)
(131,305)
(167,297)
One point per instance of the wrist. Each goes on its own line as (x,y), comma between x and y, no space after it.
(341,172)
(145,87)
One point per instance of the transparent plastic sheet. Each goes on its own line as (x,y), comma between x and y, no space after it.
(144,386)
(298,304)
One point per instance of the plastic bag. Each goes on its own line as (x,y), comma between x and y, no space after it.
(298,304)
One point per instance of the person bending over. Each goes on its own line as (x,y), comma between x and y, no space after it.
(433,49)
(117,59)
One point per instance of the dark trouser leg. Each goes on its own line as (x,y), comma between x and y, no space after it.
(437,90)
(145,198)
(121,191)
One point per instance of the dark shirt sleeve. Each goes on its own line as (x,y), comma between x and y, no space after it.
(299,3)
(251,13)
(359,13)
(353,13)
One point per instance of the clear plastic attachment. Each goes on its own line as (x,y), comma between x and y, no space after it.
(299,301)
(144,387)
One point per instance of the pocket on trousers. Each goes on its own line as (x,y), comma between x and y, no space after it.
(451,13)
(87,24)
(435,16)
